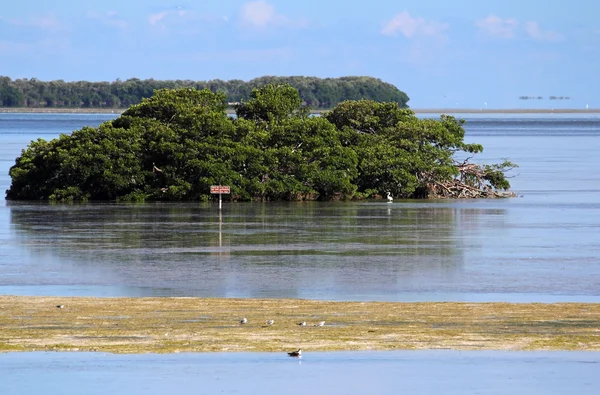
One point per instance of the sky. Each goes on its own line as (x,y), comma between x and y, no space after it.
(443,54)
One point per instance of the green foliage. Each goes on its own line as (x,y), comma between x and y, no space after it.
(320,93)
(397,151)
(270,103)
(166,104)
(176,144)
(495,174)
(10,96)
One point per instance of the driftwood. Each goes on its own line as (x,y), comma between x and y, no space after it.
(472,182)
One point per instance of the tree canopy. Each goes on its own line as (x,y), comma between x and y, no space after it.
(318,93)
(174,145)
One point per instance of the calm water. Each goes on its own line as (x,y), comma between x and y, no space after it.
(422,372)
(543,246)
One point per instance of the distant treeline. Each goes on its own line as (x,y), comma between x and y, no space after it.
(318,93)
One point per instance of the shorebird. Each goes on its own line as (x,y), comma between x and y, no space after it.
(303,323)
(243,321)
(60,306)
(321,323)
(270,322)
(389,197)
(297,354)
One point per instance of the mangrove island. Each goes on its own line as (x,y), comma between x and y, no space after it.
(177,143)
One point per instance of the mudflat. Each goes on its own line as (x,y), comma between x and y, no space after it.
(165,325)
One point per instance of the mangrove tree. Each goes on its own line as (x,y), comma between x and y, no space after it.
(177,143)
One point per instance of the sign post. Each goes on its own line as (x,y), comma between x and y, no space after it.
(220,189)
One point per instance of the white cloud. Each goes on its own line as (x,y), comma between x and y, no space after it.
(46,22)
(156,18)
(533,30)
(180,19)
(495,26)
(12,48)
(110,18)
(408,26)
(258,14)
(47,45)
(280,55)
(261,14)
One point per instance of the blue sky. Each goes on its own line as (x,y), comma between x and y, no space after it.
(459,53)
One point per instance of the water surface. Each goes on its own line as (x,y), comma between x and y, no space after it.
(542,246)
(408,372)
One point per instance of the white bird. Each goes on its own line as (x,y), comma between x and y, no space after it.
(321,323)
(389,197)
(270,322)
(297,354)
(243,320)
(303,323)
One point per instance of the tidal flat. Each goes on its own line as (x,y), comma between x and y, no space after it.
(168,325)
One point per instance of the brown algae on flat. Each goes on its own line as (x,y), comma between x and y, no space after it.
(167,325)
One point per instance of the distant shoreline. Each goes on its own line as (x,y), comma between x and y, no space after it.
(28,110)
(416,110)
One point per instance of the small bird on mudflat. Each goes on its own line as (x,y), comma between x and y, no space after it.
(243,321)
(297,354)
(303,323)
(270,322)
(321,323)
(60,306)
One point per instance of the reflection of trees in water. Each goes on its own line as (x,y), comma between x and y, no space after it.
(267,249)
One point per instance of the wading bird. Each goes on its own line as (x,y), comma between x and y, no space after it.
(270,322)
(297,354)
(243,320)
(389,197)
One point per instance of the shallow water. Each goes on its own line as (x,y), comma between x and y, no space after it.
(543,246)
(409,372)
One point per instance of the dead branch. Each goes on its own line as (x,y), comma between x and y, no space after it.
(471,183)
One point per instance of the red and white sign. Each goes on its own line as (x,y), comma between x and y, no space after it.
(219,189)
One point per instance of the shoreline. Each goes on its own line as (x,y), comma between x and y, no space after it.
(171,325)
(27,110)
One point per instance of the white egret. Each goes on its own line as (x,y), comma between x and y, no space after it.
(389,197)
